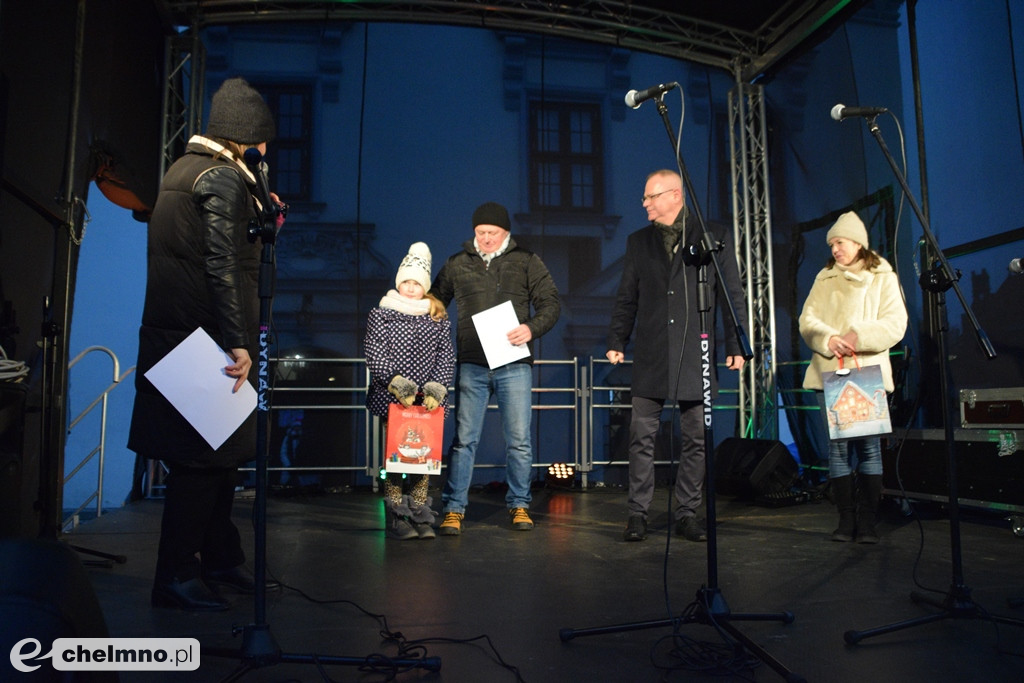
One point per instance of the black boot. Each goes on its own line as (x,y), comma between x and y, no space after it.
(842,496)
(869,492)
(192,596)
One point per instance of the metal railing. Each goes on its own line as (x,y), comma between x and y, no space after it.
(373,435)
(583,402)
(99,450)
(278,406)
(590,404)
(574,397)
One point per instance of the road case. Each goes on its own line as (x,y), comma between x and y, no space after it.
(989,464)
(995,408)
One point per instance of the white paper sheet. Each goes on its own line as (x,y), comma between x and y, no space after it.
(192,378)
(493,326)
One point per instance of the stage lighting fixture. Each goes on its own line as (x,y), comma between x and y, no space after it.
(561,474)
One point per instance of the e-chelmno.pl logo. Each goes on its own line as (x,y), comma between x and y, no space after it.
(108,654)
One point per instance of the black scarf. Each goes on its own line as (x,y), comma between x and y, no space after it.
(671,235)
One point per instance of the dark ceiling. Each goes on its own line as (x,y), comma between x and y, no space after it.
(748,37)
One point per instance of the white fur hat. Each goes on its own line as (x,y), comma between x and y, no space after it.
(850,226)
(415,266)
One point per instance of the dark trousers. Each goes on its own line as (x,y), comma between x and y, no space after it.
(643,431)
(196,532)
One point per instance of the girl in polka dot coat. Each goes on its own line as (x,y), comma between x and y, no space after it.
(411,360)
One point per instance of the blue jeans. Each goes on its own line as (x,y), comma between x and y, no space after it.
(856,455)
(863,455)
(511,385)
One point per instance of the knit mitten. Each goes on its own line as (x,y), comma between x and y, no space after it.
(403,389)
(433,395)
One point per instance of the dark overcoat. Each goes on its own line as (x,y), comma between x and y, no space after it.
(657,300)
(202,272)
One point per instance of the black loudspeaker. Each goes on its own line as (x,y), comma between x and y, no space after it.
(45,594)
(748,468)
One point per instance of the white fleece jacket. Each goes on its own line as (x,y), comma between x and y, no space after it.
(869,303)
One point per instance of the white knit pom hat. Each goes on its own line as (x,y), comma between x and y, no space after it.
(415,266)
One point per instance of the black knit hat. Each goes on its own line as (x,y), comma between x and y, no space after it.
(492,213)
(239,113)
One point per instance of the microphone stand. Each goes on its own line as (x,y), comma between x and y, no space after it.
(958,603)
(710,606)
(258,645)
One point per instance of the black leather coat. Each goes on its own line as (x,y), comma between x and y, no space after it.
(202,272)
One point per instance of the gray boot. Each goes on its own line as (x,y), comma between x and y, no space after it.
(396,514)
(869,492)
(421,515)
(422,519)
(842,496)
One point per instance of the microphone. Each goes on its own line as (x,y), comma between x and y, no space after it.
(634,98)
(841,111)
(1016,266)
(254,162)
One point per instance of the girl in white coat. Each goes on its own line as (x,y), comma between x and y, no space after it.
(855,306)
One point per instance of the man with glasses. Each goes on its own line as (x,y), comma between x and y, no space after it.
(490,270)
(658,297)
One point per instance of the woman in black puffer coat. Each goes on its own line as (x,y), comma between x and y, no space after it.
(202,272)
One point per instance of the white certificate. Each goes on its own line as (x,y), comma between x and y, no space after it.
(493,326)
(192,378)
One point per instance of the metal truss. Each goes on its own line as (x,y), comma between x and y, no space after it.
(758,408)
(625,24)
(185,59)
(647,26)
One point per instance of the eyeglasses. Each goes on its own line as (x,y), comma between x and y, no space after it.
(652,196)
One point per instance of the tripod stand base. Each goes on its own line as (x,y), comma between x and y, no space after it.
(259,646)
(711,609)
(106,560)
(259,649)
(957,605)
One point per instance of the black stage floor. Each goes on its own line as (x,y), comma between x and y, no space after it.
(495,595)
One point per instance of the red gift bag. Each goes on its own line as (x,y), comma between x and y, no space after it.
(415,437)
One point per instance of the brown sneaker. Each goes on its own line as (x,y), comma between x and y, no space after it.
(520,519)
(452,524)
